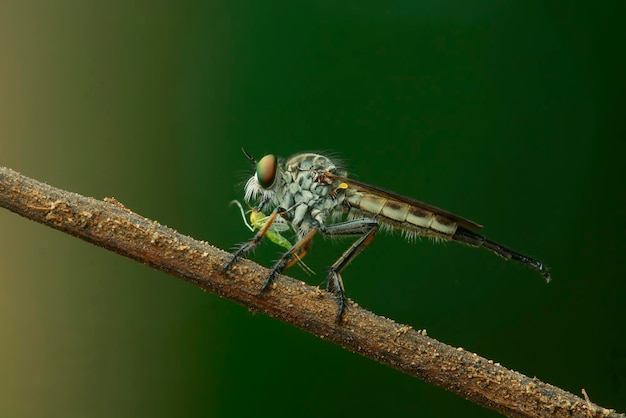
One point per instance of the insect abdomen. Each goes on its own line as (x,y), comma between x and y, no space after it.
(401,212)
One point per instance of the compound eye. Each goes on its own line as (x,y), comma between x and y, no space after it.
(266,171)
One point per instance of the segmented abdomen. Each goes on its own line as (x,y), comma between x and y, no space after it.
(400,212)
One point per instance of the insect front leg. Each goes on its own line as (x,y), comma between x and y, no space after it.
(248,246)
(290,257)
(367,229)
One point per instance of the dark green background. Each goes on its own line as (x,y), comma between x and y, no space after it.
(508,113)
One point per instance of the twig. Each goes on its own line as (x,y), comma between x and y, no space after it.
(110,225)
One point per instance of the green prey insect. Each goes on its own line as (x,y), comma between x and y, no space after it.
(258,220)
(311,193)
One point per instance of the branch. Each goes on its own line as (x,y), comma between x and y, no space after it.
(110,225)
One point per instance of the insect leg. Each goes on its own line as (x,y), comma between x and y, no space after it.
(367,229)
(248,246)
(290,257)
(471,238)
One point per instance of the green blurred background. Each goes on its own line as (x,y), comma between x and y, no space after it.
(508,113)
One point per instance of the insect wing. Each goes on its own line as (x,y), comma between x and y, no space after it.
(368,188)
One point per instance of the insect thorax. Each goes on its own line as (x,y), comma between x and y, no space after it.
(306,193)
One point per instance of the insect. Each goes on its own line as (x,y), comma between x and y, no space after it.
(258,220)
(312,193)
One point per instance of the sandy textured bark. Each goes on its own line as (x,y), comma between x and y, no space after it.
(108,224)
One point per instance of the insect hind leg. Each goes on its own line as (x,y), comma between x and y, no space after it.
(471,238)
(366,228)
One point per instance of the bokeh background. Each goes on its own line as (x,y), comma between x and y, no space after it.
(508,113)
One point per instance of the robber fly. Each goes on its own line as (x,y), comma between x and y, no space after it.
(312,193)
